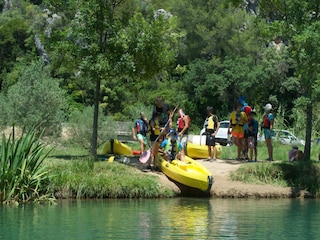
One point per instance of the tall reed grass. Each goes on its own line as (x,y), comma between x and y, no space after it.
(22,175)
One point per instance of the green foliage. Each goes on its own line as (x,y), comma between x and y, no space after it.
(80,126)
(301,175)
(22,175)
(36,100)
(79,179)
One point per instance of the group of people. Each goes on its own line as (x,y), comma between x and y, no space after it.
(164,137)
(244,129)
(170,140)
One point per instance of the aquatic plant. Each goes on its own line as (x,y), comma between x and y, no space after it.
(22,175)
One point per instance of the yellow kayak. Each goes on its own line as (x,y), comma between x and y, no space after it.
(200,151)
(115,147)
(189,173)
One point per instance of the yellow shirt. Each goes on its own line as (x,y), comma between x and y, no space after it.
(238,120)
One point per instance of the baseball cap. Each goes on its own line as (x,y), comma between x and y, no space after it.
(267,107)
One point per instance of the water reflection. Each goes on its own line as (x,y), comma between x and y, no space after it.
(179,218)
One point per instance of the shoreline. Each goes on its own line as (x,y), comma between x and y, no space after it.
(223,187)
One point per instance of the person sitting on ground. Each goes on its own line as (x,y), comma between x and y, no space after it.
(237,120)
(253,128)
(211,126)
(295,154)
(183,125)
(172,148)
(140,131)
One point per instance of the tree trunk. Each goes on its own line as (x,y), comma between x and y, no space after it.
(307,147)
(94,143)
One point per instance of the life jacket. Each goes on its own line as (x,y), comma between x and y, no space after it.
(266,122)
(141,127)
(156,126)
(240,116)
(181,123)
(210,123)
(172,150)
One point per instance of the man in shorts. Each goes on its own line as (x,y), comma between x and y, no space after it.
(140,131)
(237,120)
(253,128)
(211,125)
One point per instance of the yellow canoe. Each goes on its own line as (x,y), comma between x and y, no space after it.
(201,151)
(189,173)
(115,147)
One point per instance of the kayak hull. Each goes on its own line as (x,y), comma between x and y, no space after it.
(201,151)
(115,147)
(189,173)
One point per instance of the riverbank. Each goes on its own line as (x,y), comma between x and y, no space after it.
(224,187)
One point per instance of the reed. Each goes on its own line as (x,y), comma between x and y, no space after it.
(22,175)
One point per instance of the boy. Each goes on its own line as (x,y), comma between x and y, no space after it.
(140,131)
(172,148)
(253,128)
(212,126)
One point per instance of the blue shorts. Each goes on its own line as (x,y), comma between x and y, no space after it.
(266,133)
(141,137)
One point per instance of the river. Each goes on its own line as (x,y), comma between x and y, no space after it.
(177,218)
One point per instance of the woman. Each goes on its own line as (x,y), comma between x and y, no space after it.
(267,126)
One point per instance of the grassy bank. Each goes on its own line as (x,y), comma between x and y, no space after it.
(303,175)
(83,178)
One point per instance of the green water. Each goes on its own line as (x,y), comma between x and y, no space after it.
(179,218)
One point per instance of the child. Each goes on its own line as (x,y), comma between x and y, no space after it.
(253,136)
(172,149)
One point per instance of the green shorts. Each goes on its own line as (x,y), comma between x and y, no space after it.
(142,137)
(266,133)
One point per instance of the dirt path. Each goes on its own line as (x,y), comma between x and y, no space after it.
(223,187)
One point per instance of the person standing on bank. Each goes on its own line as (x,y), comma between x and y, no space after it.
(237,121)
(161,113)
(140,131)
(211,126)
(183,125)
(267,126)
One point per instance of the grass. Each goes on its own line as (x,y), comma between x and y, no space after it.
(299,175)
(83,178)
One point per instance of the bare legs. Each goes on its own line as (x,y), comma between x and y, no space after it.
(239,143)
(270,148)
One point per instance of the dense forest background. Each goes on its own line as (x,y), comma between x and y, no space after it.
(59,58)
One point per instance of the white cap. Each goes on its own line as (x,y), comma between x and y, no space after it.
(267,107)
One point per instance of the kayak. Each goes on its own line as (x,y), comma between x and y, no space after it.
(115,147)
(189,173)
(201,151)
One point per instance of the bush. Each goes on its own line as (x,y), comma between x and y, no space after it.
(22,176)
(80,128)
(36,100)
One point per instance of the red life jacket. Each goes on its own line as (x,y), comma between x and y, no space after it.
(266,122)
(181,122)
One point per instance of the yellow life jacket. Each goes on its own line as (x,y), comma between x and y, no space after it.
(237,118)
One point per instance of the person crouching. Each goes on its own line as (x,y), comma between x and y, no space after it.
(172,148)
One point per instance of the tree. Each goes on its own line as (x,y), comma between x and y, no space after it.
(298,22)
(109,45)
(36,100)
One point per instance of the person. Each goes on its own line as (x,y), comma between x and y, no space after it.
(183,125)
(211,126)
(267,126)
(247,109)
(140,131)
(172,148)
(295,154)
(237,120)
(161,114)
(253,128)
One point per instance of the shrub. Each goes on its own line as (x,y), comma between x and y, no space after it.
(36,100)
(80,127)
(22,176)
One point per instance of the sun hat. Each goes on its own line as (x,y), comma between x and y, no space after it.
(267,107)
(173,133)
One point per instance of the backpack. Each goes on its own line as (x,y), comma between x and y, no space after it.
(142,127)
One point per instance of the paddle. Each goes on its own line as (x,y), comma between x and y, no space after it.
(146,154)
